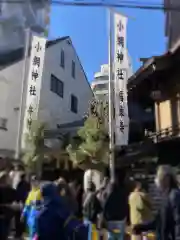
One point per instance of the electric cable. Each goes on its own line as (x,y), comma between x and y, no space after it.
(123,4)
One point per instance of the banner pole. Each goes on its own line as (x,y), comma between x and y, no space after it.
(23,83)
(111,102)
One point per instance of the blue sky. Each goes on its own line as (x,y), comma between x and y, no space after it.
(87,27)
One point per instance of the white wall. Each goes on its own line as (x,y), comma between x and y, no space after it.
(53,109)
(10,87)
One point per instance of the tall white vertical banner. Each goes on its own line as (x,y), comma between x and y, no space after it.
(120,80)
(34,83)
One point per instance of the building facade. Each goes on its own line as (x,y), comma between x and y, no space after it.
(172,19)
(16,17)
(157,82)
(140,119)
(65,91)
(100,82)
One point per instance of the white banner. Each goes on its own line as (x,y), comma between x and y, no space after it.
(120,80)
(36,64)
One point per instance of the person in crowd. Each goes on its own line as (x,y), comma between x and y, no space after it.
(67,195)
(55,221)
(76,194)
(15,175)
(61,186)
(73,186)
(22,191)
(31,207)
(102,193)
(115,208)
(31,216)
(167,221)
(140,207)
(79,200)
(91,207)
(35,186)
(7,198)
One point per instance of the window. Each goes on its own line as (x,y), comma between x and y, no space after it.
(62,59)
(73,70)
(57,86)
(74,104)
(3,123)
(99,87)
(104,77)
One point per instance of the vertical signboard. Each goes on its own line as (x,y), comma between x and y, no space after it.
(34,83)
(120,80)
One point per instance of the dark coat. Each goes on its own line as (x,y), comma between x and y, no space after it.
(115,203)
(167,221)
(22,191)
(91,207)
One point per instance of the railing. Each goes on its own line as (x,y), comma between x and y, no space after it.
(165,134)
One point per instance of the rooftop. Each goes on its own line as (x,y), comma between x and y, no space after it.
(62,128)
(14,56)
(155,64)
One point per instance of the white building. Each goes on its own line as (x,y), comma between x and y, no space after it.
(15,17)
(100,83)
(172,18)
(65,92)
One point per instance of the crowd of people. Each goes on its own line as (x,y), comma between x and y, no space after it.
(61,210)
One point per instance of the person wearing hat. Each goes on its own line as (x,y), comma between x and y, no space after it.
(167,221)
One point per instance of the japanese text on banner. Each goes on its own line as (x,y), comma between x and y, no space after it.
(34,82)
(121,66)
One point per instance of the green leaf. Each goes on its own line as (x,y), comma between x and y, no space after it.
(93,140)
(35,143)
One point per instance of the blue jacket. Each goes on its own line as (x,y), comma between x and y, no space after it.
(31,209)
(54,221)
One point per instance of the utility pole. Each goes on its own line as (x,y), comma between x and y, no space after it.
(111,102)
(23,84)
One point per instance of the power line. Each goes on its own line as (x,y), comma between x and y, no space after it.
(123,4)
(104,2)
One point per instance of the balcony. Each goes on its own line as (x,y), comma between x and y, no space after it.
(165,134)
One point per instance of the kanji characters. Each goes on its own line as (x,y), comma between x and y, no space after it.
(30,110)
(120,74)
(35,75)
(121,126)
(120,26)
(29,122)
(36,61)
(121,110)
(38,47)
(120,41)
(121,96)
(120,56)
(32,90)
